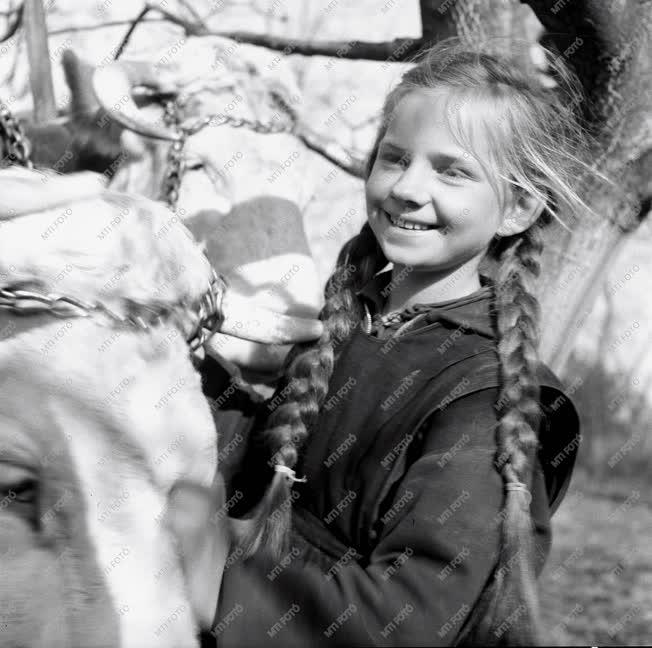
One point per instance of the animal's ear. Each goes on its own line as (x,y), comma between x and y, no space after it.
(195,516)
(521,212)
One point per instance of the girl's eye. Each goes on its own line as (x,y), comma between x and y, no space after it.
(399,160)
(454,172)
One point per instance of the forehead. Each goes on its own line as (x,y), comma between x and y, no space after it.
(442,121)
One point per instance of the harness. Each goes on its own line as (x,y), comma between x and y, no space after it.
(172,118)
(208,309)
(19,148)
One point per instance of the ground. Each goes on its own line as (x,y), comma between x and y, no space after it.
(596,588)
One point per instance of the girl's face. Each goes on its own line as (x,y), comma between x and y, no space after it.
(423,177)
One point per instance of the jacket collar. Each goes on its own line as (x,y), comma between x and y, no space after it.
(474,311)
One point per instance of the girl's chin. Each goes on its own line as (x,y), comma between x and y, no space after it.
(404,257)
(428,261)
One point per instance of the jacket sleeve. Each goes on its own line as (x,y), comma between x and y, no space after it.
(432,559)
(237,410)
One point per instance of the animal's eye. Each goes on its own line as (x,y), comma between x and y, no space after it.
(25,491)
(18,491)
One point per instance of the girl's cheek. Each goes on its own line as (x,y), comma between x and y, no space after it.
(378,184)
(371,190)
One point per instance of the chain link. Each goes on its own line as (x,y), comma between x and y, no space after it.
(172,119)
(208,310)
(176,164)
(18,148)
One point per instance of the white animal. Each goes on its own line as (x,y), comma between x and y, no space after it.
(102,422)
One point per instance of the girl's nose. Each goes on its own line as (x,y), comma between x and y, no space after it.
(409,189)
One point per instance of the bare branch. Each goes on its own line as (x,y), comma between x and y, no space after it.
(17,22)
(111,23)
(191,28)
(331,150)
(139,18)
(191,10)
(396,50)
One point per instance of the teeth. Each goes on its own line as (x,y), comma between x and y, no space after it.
(403,224)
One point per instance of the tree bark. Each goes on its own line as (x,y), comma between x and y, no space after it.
(612,60)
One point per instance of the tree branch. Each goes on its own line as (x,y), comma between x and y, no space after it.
(395,50)
(190,9)
(17,22)
(332,150)
(112,23)
(125,40)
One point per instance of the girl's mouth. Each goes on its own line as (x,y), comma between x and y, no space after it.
(402,224)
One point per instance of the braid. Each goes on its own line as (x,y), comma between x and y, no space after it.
(308,370)
(512,588)
(518,332)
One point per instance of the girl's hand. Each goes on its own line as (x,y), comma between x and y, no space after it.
(245,320)
(258,339)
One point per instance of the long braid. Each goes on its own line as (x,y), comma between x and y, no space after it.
(308,371)
(507,612)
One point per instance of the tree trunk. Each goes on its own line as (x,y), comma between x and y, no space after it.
(612,61)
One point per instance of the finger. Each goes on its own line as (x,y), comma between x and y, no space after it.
(248,322)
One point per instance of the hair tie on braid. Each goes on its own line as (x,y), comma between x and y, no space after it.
(512,486)
(289,473)
(520,486)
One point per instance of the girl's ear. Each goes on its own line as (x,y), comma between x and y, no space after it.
(521,213)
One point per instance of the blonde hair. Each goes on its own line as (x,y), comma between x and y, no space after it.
(539,149)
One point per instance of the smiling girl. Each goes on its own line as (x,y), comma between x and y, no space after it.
(428,431)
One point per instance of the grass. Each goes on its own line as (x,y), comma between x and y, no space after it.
(596,588)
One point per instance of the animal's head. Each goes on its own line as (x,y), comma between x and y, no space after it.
(244,193)
(97,422)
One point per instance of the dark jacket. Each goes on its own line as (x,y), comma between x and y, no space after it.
(398,526)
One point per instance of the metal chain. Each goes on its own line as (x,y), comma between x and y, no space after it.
(176,164)
(210,313)
(16,143)
(172,119)
(209,309)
